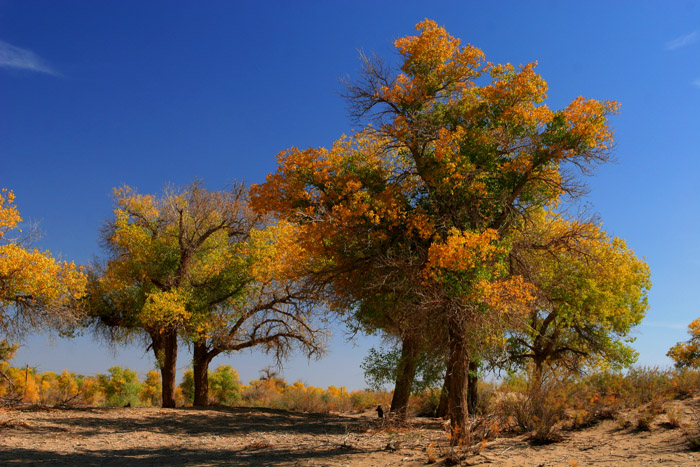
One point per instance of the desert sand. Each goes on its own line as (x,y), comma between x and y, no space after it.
(259,437)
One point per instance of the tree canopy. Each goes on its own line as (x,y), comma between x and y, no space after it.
(687,354)
(590,291)
(455,154)
(200,266)
(36,291)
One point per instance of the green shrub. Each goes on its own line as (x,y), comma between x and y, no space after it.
(224,386)
(121,387)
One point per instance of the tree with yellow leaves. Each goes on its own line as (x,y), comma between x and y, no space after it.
(458,153)
(195,265)
(277,311)
(36,291)
(590,289)
(687,354)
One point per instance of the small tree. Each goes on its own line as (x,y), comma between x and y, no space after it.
(121,387)
(591,290)
(171,260)
(225,386)
(151,389)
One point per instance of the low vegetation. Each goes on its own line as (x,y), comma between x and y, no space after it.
(515,403)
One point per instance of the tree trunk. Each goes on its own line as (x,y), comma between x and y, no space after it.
(472,386)
(200,367)
(537,371)
(457,389)
(406,373)
(165,350)
(444,406)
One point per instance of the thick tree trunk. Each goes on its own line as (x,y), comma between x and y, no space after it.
(200,367)
(472,387)
(406,373)
(443,407)
(457,389)
(165,350)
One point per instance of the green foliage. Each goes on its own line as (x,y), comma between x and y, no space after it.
(224,386)
(7,350)
(121,387)
(187,386)
(591,291)
(151,389)
(381,368)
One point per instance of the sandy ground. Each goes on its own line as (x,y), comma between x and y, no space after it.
(259,437)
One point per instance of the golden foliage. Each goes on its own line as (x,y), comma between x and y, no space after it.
(35,290)
(687,354)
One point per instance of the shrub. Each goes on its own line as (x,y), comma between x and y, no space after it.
(647,384)
(303,398)
(648,414)
(538,409)
(685,383)
(224,386)
(121,387)
(187,386)
(425,404)
(674,416)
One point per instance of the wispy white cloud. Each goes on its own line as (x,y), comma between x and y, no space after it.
(682,41)
(23,59)
(696,83)
(664,325)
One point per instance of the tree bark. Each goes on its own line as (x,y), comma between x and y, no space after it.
(444,406)
(472,387)
(538,370)
(406,373)
(165,349)
(200,368)
(457,389)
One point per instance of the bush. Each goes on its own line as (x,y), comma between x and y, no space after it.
(685,383)
(303,399)
(187,386)
(674,416)
(538,409)
(121,387)
(426,403)
(532,414)
(224,386)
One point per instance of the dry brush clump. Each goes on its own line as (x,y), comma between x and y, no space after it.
(538,409)
(635,398)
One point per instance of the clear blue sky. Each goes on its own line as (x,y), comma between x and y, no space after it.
(97,94)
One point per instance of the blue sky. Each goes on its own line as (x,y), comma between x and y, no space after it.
(97,94)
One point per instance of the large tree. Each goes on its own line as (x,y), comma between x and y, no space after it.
(459,152)
(194,265)
(169,262)
(277,310)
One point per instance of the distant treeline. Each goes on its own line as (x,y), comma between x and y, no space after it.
(121,387)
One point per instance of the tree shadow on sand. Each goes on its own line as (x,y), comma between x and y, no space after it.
(121,457)
(221,421)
